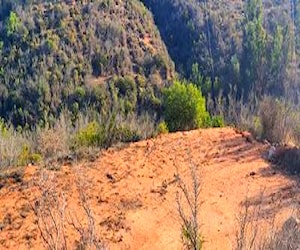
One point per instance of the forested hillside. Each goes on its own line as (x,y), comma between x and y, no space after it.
(106,71)
(57,55)
(250,44)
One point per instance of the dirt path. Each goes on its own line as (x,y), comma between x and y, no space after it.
(132,192)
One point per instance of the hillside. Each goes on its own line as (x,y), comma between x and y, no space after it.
(227,41)
(57,54)
(108,56)
(131,193)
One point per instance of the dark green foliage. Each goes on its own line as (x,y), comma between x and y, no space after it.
(184,107)
(195,32)
(254,48)
(127,90)
(247,44)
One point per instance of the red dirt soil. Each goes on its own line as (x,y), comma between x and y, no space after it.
(132,192)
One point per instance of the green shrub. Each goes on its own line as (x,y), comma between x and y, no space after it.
(162,128)
(184,107)
(26,156)
(217,121)
(125,85)
(257,129)
(126,134)
(13,23)
(92,135)
(127,93)
(128,107)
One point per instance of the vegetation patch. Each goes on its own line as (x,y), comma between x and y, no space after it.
(184,107)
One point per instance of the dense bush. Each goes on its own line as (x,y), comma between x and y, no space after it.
(184,107)
(126,134)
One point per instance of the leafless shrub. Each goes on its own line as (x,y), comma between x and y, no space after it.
(88,234)
(251,236)
(288,237)
(248,235)
(189,216)
(53,142)
(286,159)
(50,210)
(54,217)
(235,110)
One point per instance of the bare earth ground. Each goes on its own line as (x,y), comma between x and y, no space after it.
(132,192)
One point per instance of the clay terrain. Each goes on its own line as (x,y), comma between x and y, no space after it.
(126,197)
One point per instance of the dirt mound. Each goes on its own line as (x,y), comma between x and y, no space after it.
(131,193)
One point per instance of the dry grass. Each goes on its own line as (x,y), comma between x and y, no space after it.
(276,120)
(57,144)
(279,120)
(53,142)
(236,111)
(251,236)
(288,237)
(12,144)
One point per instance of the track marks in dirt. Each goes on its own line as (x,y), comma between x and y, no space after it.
(132,191)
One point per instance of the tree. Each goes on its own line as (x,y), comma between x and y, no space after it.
(277,63)
(184,107)
(12,24)
(254,47)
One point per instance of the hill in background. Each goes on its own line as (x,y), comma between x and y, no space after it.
(228,42)
(56,54)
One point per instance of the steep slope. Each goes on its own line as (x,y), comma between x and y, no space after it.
(131,194)
(216,36)
(185,30)
(50,50)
